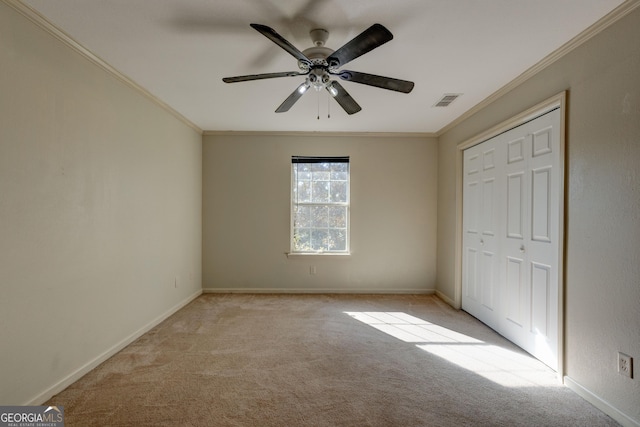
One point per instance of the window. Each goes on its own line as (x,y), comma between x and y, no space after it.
(320,205)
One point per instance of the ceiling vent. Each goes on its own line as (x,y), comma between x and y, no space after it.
(447,99)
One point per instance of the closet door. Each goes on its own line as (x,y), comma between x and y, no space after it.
(481,220)
(518,264)
(530,247)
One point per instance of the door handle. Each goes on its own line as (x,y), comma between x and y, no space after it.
(522,248)
(482,241)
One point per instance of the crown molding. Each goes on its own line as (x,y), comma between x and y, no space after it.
(42,22)
(321,134)
(605,22)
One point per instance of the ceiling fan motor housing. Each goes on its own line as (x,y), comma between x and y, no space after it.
(317,52)
(318,77)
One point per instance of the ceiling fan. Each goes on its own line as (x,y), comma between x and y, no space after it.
(319,63)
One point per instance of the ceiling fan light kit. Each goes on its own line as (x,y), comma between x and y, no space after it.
(319,63)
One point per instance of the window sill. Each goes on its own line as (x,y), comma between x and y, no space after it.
(318,254)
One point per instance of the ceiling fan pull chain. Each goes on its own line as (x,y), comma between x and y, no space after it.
(318,105)
(328,107)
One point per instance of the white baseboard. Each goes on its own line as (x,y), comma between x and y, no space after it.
(83,370)
(316,291)
(601,404)
(448,300)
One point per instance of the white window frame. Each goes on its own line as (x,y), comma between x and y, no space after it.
(295,160)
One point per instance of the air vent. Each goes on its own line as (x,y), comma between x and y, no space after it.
(447,99)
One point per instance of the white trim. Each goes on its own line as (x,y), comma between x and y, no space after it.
(448,300)
(343,255)
(42,22)
(543,107)
(65,382)
(318,291)
(557,101)
(322,134)
(605,22)
(601,404)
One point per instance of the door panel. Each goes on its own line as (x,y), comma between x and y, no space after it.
(488,280)
(488,207)
(472,274)
(515,151)
(515,211)
(540,201)
(540,288)
(542,141)
(514,292)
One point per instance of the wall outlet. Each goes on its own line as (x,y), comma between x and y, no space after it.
(312,270)
(625,365)
(176,282)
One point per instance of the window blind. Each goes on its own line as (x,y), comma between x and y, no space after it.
(313,159)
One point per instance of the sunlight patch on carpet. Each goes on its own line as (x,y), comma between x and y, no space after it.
(500,365)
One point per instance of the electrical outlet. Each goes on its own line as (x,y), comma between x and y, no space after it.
(625,365)
(312,270)
(176,282)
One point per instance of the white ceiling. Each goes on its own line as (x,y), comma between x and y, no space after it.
(179,50)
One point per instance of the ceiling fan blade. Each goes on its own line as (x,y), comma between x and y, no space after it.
(291,99)
(262,76)
(343,98)
(398,85)
(366,41)
(271,34)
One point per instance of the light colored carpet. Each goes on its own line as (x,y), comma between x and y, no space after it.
(322,360)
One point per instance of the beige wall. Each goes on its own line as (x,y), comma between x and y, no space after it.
(246,219)
(100,210)
(602,265)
